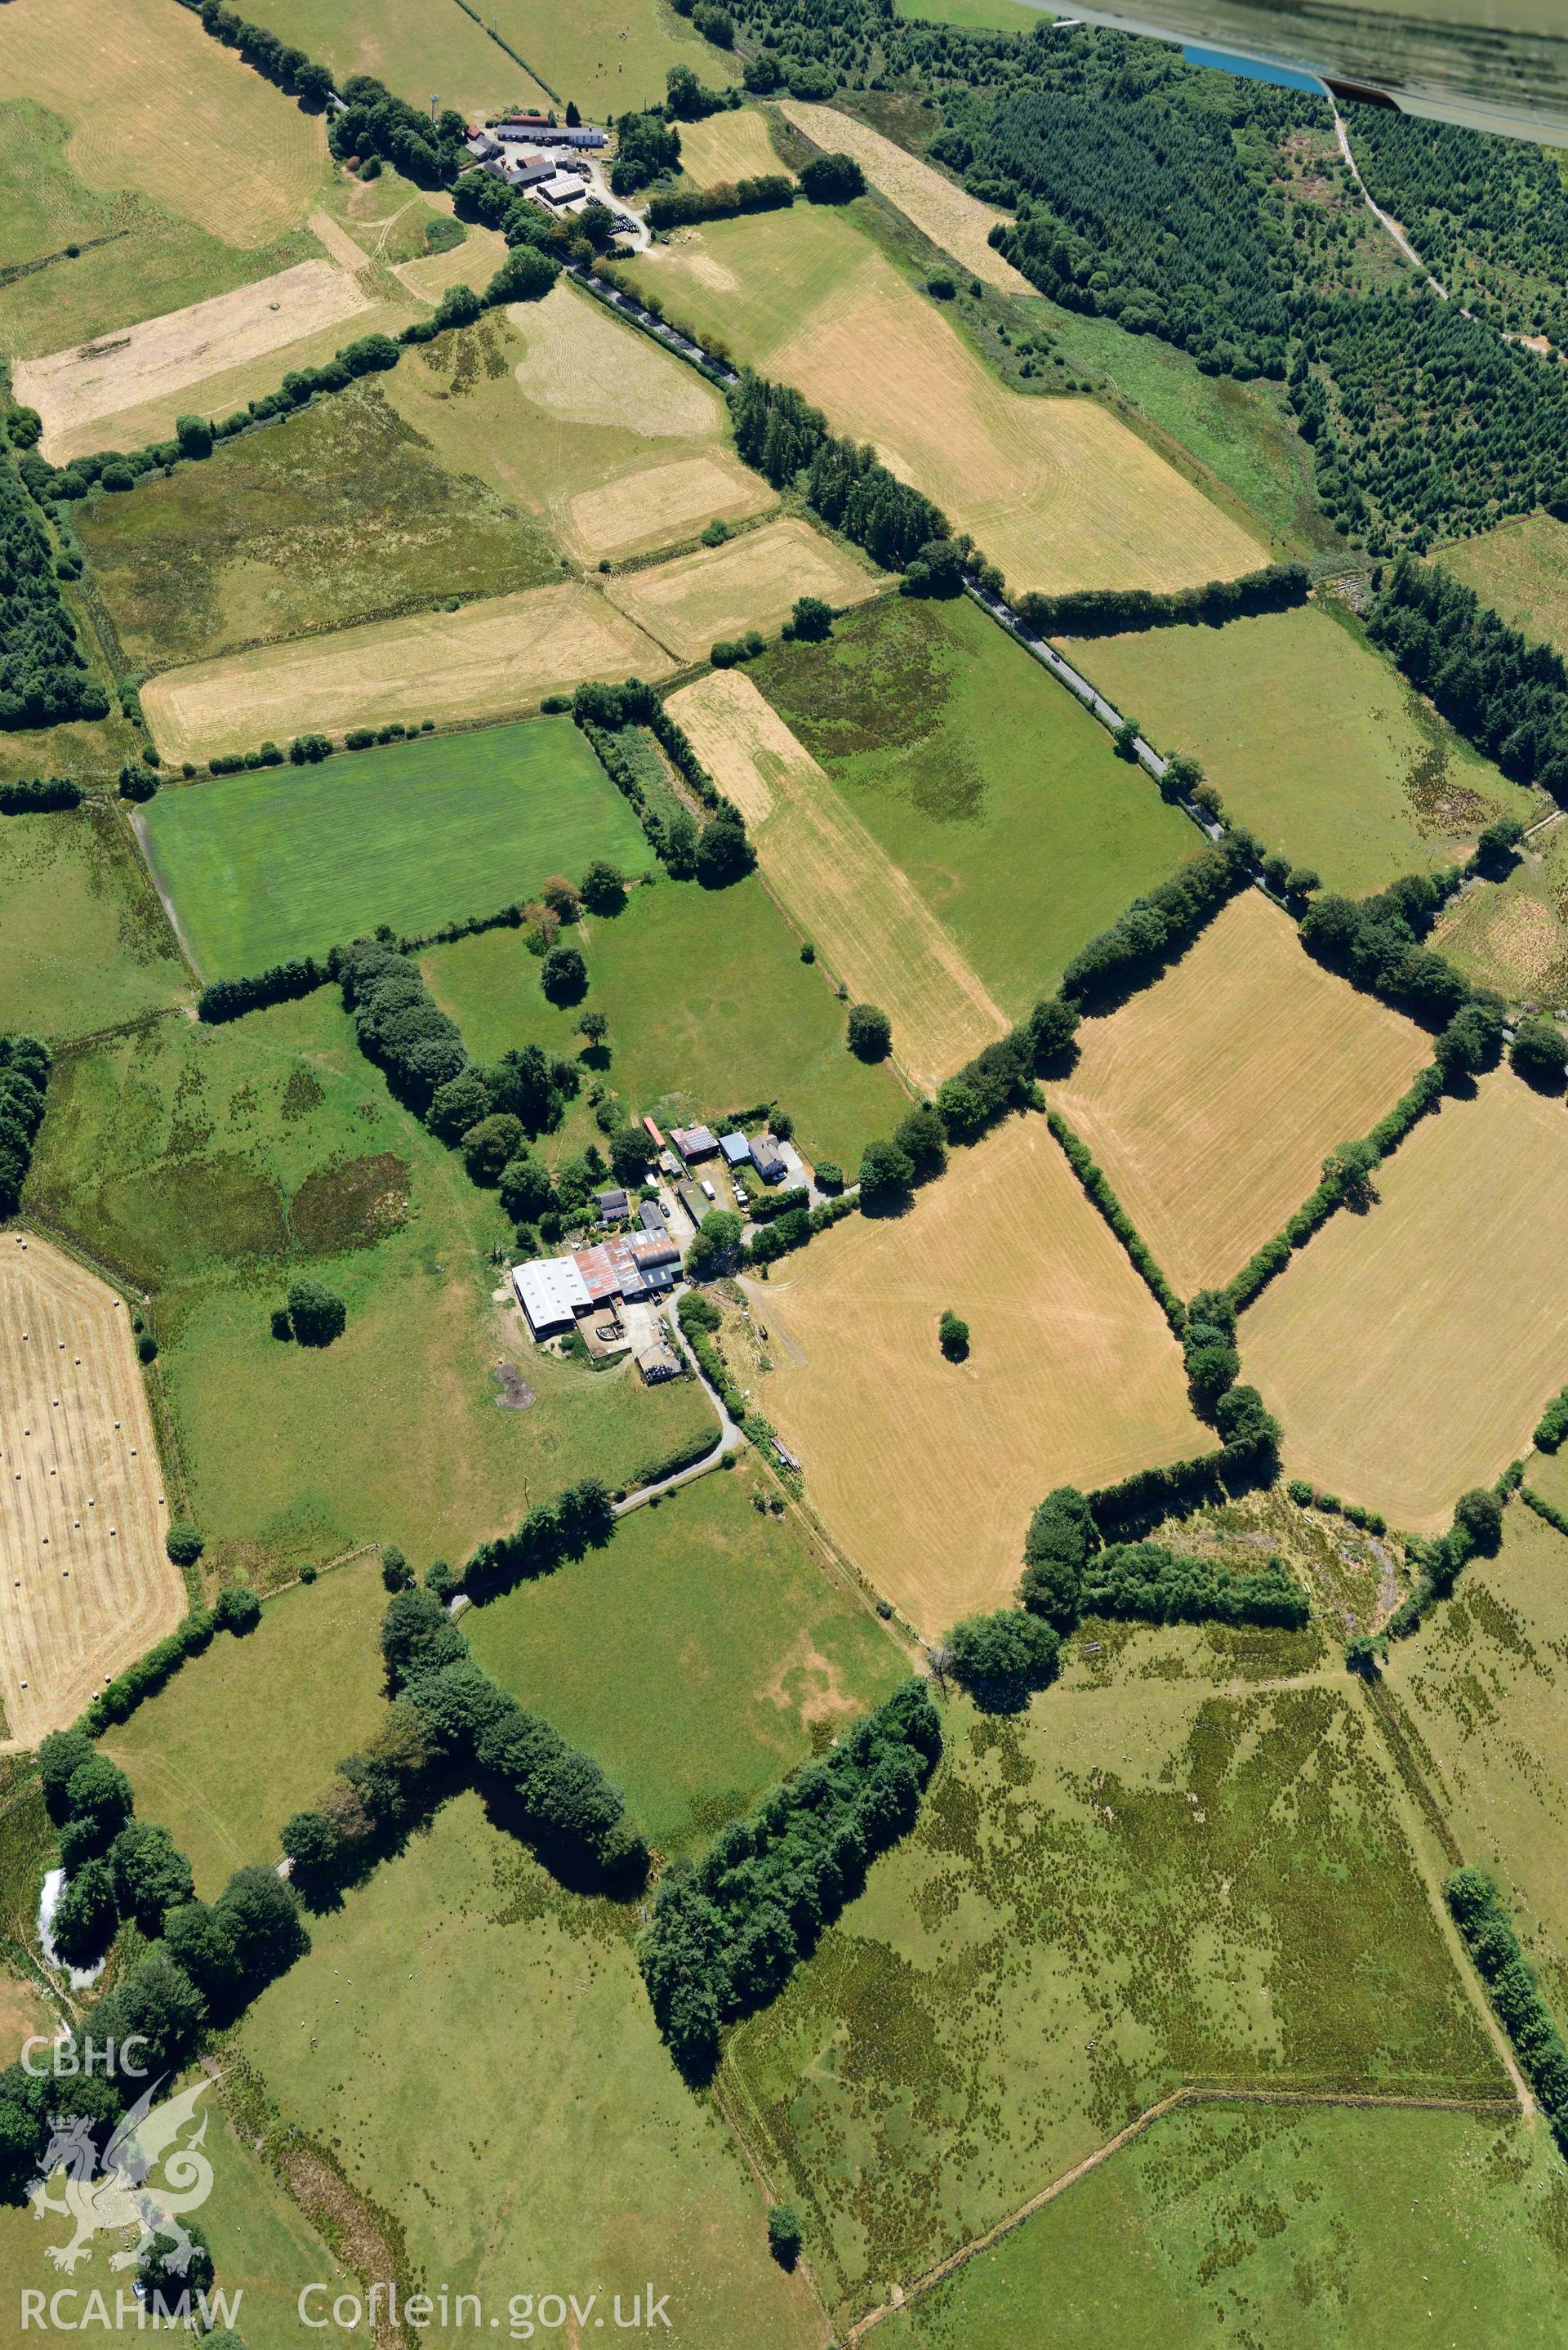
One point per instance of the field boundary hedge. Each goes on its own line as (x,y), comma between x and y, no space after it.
(1487,1934)
(1097,1190)
(1115,612)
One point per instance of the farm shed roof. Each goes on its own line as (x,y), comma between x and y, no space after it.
(735,1148)
(552,1293)
(650,1216)
(694,1141)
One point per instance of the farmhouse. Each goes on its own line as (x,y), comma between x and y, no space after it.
(613,1207)
(768,1160)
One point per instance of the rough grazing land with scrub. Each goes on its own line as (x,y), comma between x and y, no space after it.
(1055,490)
(1211,1128)
(156,106)
(758,1655)
(148,365)
(710,1008)
(1512,935)
(996,795)
(282,861)
(837,882)
(85,1585)
(926,1470)
(1521,569)
(1313,741)
(1409,1351)
(86,941)
(1225,2218)
(370,2045)
(953,219)
(489,661)
(724,591)
(334,515)
(250,1730)
(1482,1683)
(216,1166)
(1130,1886)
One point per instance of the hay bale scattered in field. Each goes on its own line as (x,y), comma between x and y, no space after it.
(85,1584)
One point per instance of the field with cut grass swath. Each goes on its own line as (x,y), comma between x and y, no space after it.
(607,439)
(287,860)
(729,146)
(926,1471)
(250,1730)
(1521,569)
(1211,1098)
(688,604)
(991,789)
(369,2045)
(1136,1882)
(838,885)
(167,112)
(710,1009)
(335,515)
(212,1167)
(703,1655)
(1313,741)
(498,658)
(86,941)
(1409,1350)
(1055,490)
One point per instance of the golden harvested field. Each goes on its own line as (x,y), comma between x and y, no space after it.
(155,104)
(1055,490)
(586,367)
(1211,1098)
(729,146)
(942,211)
(723,591)
(664,502)
(85,1582)
(1409,1351)
(924,1471)
(489,661)
(835,881)
(146,367)
(473,262)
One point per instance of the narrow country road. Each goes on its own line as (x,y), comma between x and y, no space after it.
(731,1438)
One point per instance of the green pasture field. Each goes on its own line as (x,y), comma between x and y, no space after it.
(1521,569)
(1139,1882)
(250,1730)
(87,943)
(975,16)
(1482,1689)
(415,47)
(1312,740)
(136,260)
(710,1008)
(1258,2224)
(341,513)
(608,54)
(701,1656)
(210,1167)
(264,2250)
(289,860)
(997,794)
(476,2047)
(1512,935)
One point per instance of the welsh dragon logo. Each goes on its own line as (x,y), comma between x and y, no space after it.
(119,2193)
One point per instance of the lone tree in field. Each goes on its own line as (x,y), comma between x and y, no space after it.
(564,975)
(868,1033)
(1538,1052)
(317,1314)
(595,1026)
(833,178)
(783,2234)
(604,891)
(811,621)
(953,1337)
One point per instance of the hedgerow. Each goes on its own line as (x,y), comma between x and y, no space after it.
(1514,1991)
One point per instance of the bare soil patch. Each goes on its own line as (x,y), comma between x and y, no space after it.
(74,390)
(85,1582)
